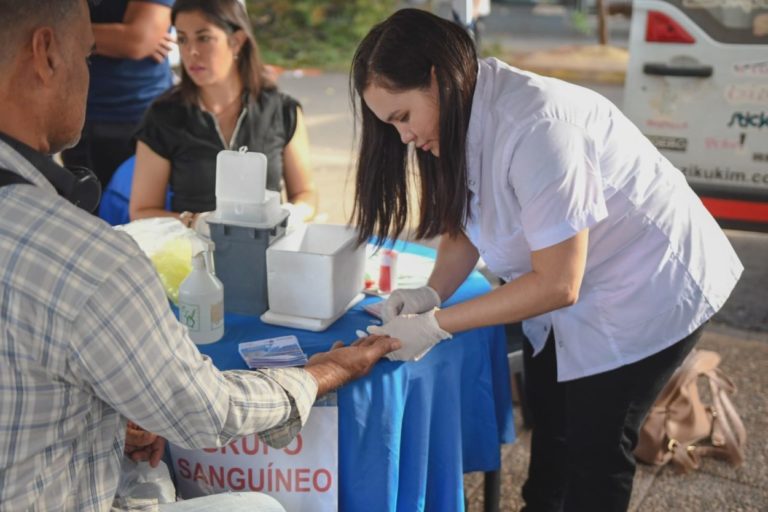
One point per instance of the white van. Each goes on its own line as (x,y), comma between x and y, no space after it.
(697,86)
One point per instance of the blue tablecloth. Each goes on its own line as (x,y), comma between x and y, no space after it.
(407,431)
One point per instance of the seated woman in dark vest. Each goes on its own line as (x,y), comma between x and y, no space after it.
(225,101)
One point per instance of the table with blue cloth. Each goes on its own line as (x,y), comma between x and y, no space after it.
(407,431)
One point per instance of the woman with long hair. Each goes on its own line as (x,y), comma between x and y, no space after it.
(226,100)
(608,256)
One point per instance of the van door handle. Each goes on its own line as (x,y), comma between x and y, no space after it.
(666,70)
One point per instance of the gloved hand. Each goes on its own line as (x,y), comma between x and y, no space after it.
(417,333)
(405,302)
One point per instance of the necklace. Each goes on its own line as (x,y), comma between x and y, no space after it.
(223,111)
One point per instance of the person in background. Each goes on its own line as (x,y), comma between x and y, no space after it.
(608,255)
(87,338)
(225,101)
(467,13)
(129,70)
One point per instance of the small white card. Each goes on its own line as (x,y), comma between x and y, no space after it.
(272,352)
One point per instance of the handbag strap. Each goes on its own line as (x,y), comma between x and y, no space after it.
(696,363)
(728,433)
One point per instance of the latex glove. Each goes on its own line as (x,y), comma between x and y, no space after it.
(405,302)
(417,333)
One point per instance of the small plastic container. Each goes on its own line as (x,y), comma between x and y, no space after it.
(201,303)
(388,270)
(241,262)
(248,218)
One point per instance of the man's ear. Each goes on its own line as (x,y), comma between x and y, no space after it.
(46,57)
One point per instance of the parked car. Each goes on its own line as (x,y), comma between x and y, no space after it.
(697,86)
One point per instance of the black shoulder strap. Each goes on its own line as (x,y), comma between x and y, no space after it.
(11,178)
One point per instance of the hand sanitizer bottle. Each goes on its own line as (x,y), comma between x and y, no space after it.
(201,303)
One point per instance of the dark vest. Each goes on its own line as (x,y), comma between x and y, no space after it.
(187,137)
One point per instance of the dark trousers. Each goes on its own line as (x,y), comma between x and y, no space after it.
(102,148)
(585,430)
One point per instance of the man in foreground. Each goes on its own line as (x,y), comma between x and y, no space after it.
(87,340)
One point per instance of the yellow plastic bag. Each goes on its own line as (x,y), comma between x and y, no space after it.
(169,245)
(173,262)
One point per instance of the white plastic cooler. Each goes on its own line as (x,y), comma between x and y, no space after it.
(314,275)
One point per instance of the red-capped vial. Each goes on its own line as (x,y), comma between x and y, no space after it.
(388,270)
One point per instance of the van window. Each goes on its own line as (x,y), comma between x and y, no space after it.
(729,21)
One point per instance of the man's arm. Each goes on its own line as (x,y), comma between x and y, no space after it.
(330,369)
(143,33)
(342,364)
(132,352)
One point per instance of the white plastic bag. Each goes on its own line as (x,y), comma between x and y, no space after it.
(141,484)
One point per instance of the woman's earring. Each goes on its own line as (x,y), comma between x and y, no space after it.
(237,56)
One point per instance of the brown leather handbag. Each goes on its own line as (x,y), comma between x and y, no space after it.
(680,428)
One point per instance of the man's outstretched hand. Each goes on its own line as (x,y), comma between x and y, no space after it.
(342,364)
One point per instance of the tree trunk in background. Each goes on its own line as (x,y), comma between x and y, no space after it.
(602,25)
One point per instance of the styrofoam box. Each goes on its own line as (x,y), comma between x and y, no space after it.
(315,271)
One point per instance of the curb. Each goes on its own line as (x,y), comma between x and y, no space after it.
(278,71)
(592,63)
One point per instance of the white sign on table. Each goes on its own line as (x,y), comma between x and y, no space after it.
(303,476)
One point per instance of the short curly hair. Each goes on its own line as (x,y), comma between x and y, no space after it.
(18,17)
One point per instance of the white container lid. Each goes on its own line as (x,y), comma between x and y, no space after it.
(241,176)
(241,195)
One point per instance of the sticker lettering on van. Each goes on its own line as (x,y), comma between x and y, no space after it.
(724,174)
(749,120)
(720,143)
(737,94)
(751,69)
(666,124)
(714,174)
(760,157)
(669,143)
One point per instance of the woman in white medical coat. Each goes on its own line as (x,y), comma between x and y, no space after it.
(608,256)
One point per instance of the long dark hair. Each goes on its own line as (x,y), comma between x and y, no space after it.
(398,55)
(230,16)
